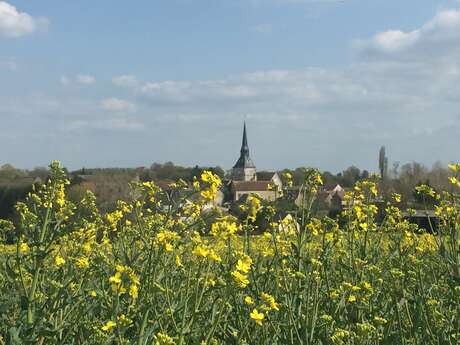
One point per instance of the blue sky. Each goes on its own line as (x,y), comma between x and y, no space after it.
(320,83)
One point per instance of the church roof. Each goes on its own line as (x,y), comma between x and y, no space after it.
(244,161)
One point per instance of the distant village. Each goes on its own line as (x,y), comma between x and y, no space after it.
(112,184)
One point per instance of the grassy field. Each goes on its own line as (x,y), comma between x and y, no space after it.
(157,272)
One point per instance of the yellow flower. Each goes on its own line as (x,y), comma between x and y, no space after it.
(367,286)
(454,181)
(124,320)
(248,300)
(163,339)
(114,217)
(23,247)
(454,167)
(108,326)
(178,261)
(86,247)
(326,317)
(257,317)
(425,190)
(93,293)
(200,251)
(133,291)
(243,266)
(214,256)
(270,303)
(319,179)
(212,182)
(352,298)
(240,279)
(363,226)
(380,320)
(223,229)
(120,268)
(373,190)
(59,260)
(82,262)
(254,207)
(115,279)
(339,336)
(169,247)
(313,227)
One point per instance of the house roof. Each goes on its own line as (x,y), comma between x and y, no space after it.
(265,175)
(250,186)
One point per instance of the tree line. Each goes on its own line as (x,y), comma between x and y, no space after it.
(111,184)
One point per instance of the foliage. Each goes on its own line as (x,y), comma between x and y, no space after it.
(7,231)
(145,273)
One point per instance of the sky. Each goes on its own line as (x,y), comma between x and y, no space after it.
(320,83)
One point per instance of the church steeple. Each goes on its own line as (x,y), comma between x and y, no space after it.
(244,145)
(244,169)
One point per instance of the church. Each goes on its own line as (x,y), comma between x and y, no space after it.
(246,180)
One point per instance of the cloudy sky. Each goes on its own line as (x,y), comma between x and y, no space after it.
(321,83)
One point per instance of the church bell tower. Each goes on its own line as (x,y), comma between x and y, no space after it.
(244,169)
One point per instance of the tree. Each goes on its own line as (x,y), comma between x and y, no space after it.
(350,176)
(383,163)
(364,174)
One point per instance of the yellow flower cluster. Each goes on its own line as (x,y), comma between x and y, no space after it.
(211,183)
(123,277)
(240,274)
(167,239)
(211,279)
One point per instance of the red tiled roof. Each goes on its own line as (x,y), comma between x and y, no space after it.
(250,186)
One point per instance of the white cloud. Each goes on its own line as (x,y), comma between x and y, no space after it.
(118,105)
(438,36)
(125,80)
(405,97)
(112,124)
(85,79)
(390,99)
(15,24)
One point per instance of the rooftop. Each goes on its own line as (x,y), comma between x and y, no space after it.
(250,186)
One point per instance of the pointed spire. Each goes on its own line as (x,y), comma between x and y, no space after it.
(244,144)
(244,161)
